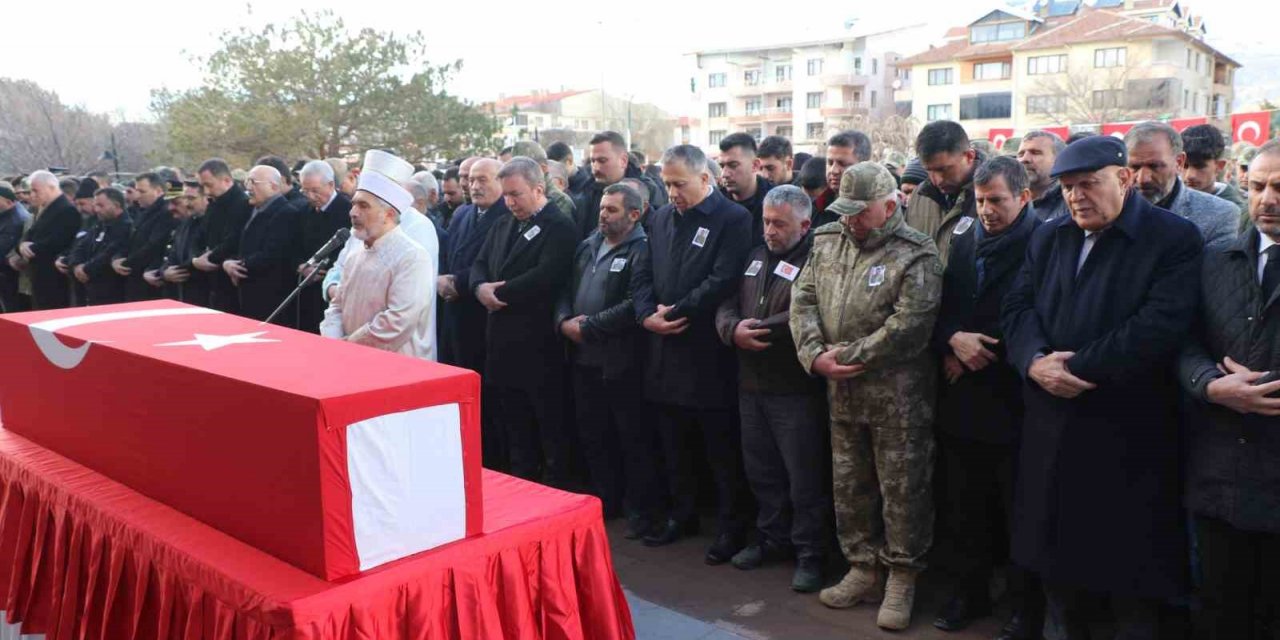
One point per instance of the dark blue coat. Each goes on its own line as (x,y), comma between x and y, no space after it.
(465,318)
(265,249)
(1098,503)
(693,368)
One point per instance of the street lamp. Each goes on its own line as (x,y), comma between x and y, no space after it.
(112,155)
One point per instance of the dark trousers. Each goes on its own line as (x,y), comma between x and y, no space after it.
(619,441)
(223,295)
(49,289)
(678,427)
(531,424)
(1240,587)
(785,438)
(137,290)
(10,300)
(1081,615)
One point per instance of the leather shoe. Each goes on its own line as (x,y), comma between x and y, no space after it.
(724,548)
(1022,627)
(670,532)
(808,575)
(759,553)
(638,527)
(961,611)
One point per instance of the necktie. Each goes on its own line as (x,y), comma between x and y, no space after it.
(1089,240)
(1271,271)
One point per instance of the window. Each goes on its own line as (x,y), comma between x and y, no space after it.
(986,106)
(875,66)
(717,110)
(873,99)
(815,67)
(754,106)
(1039,65)
(716,80)
(751,77)
(1052,105)
(715,137)
(813,100)
(992,70)
(813,131)
(939,77)
(783,105)
(857,97)
(782,73)
(903,73)
(938,112)
(1107,99)
(756,133)
(784,131)
(1188,57)
(1198,67)
(857,66)
(1105,58)
(997,32)
(1186,98)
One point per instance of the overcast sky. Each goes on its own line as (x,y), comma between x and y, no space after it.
(108,56)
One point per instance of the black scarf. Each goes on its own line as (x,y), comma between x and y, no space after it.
(996,252)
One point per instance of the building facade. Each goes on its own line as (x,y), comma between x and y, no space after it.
(1066,64)
(574,116)
(800,90)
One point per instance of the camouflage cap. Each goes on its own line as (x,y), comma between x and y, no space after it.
(895,160)
(1246,155)
(529,149)
(862,183)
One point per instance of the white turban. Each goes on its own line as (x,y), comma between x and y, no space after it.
(381,176)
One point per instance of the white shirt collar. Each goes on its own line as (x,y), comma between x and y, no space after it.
(1264,241)
(333,196)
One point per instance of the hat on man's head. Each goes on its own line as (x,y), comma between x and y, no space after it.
(529,149)
(914,173)
(1090,154)
(862,183)
(1247,154)
(86,189)
(895,160)
(7,193)
(382,175)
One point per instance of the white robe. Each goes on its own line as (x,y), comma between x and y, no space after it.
(386,296)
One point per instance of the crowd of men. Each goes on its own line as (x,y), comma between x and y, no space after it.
(1057,364)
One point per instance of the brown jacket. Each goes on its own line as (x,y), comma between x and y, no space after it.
(927,211)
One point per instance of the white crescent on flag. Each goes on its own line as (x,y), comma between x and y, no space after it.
(65,357)
(999,140)
(1249,125)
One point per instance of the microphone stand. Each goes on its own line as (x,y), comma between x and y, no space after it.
(297,290)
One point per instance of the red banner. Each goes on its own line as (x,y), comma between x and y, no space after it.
(1116,130)
(1254,128)
(1182,124)
(1061,132)
(998,137)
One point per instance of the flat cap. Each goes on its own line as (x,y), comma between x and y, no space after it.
(862,183)
(1090,154)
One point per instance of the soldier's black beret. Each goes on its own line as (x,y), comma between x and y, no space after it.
(1090,154)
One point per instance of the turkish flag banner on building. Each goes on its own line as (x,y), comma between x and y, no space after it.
(1254,128)
(1061,132)
(1116,130)
(998,137)
(1182,124)
(334,457)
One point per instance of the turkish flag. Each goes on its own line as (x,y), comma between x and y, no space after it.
(1254,128)
(998,137)
(1182,124)
(1061,132)
(1116,130)
(301,446)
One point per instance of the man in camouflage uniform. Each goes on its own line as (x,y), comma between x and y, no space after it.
(861,315)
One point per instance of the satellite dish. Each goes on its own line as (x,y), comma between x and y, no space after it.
(897,84)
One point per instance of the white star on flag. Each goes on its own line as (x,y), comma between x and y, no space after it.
(210,342)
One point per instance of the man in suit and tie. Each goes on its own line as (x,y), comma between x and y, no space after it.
(525,259)
(463,341)
(48,237)
(260,270)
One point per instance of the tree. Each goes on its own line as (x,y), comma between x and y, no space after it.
(310,88)
(887,133)
(1089,95)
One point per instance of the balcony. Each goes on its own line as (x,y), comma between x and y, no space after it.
(854,109)
(763,115)
(754,118)
(844,79)
(750,89)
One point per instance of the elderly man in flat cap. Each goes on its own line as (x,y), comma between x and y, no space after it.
(1094,324)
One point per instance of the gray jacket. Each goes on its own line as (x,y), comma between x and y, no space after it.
(1216,218)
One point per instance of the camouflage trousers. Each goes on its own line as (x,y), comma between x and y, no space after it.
(882,484)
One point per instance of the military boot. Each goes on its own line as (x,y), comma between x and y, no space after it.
(899,595)
(861,584)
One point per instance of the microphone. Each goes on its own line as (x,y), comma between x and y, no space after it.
(339,238)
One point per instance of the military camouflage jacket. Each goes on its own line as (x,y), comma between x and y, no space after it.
(877,301)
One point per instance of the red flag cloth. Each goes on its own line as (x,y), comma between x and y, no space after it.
(1116,130)
(998,137)
(302,446)
(1061,132)
(1254,128)
(82,556)
(1182,124)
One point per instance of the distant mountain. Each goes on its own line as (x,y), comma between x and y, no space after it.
(1259,77)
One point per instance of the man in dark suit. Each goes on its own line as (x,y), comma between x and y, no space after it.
(175,271)
(102,284)
(525,259)
(327,211)
(50,235)
(698,245)
(228,210)
(152,228)
(261,268)
(1094,323)
(979,418)
(465,317)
